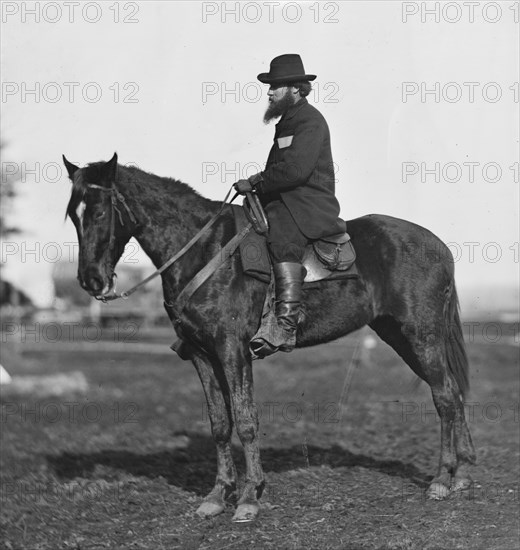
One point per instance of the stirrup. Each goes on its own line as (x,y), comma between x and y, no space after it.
(270,338)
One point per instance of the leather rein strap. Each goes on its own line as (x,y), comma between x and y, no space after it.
(202,276)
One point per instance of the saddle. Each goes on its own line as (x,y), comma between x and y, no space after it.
(329,258)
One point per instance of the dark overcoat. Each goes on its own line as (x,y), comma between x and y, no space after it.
(300,170)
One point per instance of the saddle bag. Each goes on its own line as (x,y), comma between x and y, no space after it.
(335,252)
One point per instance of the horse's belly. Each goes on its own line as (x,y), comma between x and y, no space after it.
(333,310)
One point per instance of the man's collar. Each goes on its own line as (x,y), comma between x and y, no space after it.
(293,109)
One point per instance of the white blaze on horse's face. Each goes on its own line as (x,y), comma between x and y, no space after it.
(80,212)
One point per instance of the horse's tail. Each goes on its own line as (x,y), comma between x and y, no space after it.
(455,349)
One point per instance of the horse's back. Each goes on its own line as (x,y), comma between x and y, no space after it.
(391,230)
(394,241)
(401,263)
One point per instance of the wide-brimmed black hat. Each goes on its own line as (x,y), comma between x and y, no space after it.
(285,68)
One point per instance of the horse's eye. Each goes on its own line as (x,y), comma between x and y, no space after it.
(99,215)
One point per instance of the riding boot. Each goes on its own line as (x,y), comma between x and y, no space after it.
(288,295)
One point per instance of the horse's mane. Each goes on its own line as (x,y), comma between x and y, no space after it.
(130,177)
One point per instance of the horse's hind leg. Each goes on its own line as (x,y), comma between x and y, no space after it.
(457,451)
(466,455)
(455,356)
(221,428)
(437,356)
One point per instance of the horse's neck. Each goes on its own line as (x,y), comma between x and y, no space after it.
(170,219)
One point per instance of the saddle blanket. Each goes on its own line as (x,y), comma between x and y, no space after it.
(256,261)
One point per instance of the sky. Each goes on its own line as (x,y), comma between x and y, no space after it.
(422,107)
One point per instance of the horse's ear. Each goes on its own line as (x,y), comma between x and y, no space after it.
(71,168)
(111,168)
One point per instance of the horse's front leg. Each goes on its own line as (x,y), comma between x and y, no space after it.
(221,428)
(239,374)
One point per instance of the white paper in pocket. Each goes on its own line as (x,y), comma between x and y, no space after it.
(284,141)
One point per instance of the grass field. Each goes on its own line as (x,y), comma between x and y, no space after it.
(123,459)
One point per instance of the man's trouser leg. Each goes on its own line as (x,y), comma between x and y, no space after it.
(286,246)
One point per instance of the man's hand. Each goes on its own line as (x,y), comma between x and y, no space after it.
(256,181)
(243,187)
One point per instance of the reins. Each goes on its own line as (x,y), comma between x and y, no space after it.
(118,197)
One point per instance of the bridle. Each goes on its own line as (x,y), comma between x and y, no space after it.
(116,197)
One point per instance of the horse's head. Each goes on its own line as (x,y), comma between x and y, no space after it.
(103,220)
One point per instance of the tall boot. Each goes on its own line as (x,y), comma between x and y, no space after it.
(288,278)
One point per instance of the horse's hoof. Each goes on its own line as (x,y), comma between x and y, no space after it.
(245,513)
(209,508)
(461,484)
(437,491)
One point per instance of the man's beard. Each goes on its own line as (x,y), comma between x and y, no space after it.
(278,108)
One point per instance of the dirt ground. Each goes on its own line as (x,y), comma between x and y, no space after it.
(124,460)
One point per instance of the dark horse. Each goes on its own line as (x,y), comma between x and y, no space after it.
(406,293)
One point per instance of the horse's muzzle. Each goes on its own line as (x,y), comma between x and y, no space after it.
(96,283)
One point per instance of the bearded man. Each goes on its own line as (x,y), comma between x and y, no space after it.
(297,186)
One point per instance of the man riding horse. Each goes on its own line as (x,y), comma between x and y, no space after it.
(296,188)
